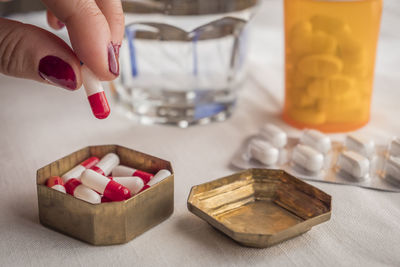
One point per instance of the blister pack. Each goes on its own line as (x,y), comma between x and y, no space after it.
(314,156)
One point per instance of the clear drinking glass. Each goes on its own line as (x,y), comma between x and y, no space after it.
(181,61)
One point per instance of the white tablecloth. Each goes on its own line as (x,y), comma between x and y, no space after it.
(41,123)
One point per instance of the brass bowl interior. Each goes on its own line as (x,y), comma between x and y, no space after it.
(258,202)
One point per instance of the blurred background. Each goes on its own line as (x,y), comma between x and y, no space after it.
(19,6)
(266,58)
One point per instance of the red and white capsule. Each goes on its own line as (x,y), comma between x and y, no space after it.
(76,171)
(105,186)
(77,189)
(56,183)
(133,183)
(144,187)
(104,199)
(160,175)
(124,171)
(95,93)
(106,164)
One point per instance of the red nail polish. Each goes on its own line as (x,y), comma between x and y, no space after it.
(113,64)
(116,49)
(57,71)
(60,24)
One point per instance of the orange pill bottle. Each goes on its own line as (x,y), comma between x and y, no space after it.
(330,50)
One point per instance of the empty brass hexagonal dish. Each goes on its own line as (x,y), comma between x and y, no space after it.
(260,207)
(106,223)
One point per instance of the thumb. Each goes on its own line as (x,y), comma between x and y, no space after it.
(30,52)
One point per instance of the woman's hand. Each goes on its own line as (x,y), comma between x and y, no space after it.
(95,28)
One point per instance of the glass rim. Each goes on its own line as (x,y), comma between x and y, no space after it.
(164,32)
(184,7)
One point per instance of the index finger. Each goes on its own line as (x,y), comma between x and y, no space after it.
(112,10)
(89,33)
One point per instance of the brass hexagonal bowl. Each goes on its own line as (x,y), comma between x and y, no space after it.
(260,207)
(106,223)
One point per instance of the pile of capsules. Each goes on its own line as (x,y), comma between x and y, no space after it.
(357,160)
(90,180)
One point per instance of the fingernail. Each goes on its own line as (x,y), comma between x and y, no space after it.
(116,49)
(60,24)
(57,71)
(113,65)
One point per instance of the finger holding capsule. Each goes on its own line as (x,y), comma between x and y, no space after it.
(95,94)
